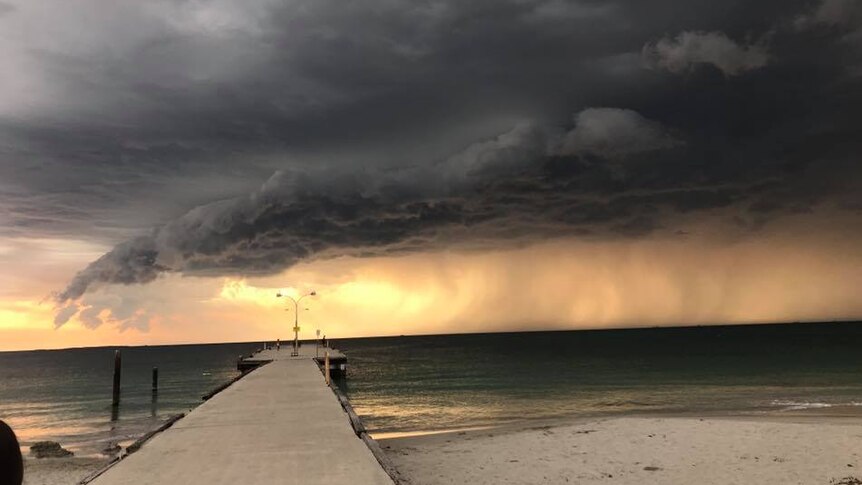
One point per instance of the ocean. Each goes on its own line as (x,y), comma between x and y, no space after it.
(408,385)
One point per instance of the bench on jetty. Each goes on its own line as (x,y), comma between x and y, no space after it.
(281,423)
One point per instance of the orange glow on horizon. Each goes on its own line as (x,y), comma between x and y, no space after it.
(563,284)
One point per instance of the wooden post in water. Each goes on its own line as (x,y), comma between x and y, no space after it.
(155,380)
(326,367)
(118,365)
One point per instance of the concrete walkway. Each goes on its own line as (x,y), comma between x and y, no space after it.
(281,424)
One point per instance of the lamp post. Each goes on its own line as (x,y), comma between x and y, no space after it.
(295,318)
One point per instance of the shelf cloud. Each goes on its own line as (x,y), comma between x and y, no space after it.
(238,139)
(302,215)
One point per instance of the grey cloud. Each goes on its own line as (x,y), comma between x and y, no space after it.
(689,49)
(561,10)
(64,313)
(133,261)
(300,215)
(152,93)
(295,216)
(832,13)
(615,133)
(638,226)
(161,107)
(516,186)
(125,311)
(841,18)
(89,316)
(6,8)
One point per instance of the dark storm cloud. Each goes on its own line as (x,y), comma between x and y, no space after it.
(408,126)
(294,216)
(830,13)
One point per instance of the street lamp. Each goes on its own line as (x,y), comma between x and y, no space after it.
(295,318)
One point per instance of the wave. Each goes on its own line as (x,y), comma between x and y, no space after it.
(788,405)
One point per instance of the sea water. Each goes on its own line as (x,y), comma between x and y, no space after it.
(416,384)
(65,395)
(406,385)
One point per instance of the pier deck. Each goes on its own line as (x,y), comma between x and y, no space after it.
(337,360)
(279,424)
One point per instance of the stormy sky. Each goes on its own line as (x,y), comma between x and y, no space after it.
(237,139)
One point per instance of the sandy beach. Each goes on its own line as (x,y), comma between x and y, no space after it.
(59,471)
(639,450)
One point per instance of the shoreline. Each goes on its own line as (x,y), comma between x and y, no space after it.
(838,414)
(419,456)
(804,449)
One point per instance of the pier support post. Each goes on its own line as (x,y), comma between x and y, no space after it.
(326,367)
(155,380)
(118,365)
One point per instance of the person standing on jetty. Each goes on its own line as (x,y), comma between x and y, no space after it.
(11,462)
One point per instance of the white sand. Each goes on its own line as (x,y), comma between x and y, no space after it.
(59,471)
(639,450)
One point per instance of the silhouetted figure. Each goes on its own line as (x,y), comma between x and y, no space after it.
(11,463)
(324,341)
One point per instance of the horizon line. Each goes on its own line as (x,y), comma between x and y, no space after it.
(544,330)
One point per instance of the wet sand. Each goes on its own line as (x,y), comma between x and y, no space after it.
(639,450)
(60,471)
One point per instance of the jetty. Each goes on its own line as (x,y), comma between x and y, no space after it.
(281,423)
(337,360)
